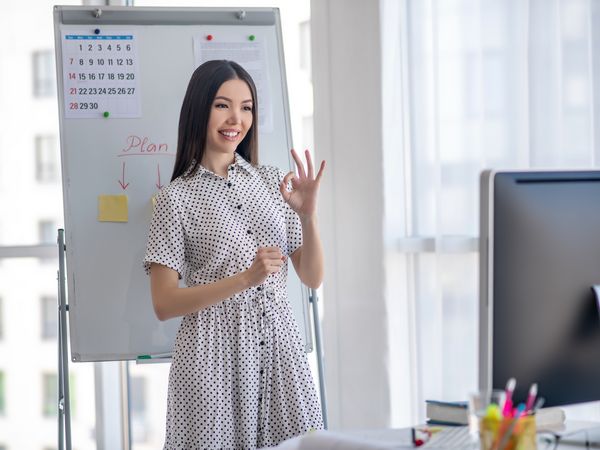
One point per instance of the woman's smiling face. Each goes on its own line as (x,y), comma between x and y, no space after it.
(230,117)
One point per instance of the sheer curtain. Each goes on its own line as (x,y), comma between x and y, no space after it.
(468,85)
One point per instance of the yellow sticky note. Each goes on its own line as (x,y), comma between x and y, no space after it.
(112,208)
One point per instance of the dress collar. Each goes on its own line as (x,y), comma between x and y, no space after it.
(239,162)
(243,164)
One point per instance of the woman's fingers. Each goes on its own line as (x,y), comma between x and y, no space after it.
(309,165)
(299,164)
(269,251)
(310,173)
(284,183)
(270,258)
(320,174)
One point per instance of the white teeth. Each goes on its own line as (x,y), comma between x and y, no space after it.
(229,133)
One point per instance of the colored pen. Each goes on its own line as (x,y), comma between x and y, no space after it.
(538,404)
(531,397)
(519,411)
(503,440)
(510,387)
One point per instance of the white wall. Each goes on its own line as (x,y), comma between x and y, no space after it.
(348,135)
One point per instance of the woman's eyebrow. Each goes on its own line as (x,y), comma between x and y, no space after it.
(230,101)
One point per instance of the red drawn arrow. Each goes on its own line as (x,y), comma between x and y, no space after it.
(122,183)
(158,185)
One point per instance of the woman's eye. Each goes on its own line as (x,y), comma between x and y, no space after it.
(220,105)
(247,108)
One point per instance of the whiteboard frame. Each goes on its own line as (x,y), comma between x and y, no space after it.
(124,15)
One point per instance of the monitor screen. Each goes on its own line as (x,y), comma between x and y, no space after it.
(539,259)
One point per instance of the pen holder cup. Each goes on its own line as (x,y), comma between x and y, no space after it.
(507,433)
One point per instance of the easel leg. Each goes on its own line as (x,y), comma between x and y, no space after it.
(318,344)
(64,408)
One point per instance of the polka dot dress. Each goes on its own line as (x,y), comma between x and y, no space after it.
(239,377)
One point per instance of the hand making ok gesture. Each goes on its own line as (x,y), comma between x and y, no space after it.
(303,196)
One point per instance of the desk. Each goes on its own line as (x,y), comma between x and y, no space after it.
(572,436)
(351,440)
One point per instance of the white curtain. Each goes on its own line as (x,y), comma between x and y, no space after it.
(468,85)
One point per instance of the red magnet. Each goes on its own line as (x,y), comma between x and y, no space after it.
(209,37)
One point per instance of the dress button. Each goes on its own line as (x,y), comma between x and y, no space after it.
(264,314)
(261,371)
(262,342)
(239,206)
(259,288)
(249,231)
(229,184)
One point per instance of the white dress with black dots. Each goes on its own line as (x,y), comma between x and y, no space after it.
(239,377)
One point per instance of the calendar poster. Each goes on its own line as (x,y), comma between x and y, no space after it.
(101,76)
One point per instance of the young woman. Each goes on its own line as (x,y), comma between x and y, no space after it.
(226,226)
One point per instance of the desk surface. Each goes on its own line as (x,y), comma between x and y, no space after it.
(571,436)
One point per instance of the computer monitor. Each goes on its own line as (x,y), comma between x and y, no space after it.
(539,259)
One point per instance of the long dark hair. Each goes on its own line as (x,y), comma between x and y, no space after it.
(195,112)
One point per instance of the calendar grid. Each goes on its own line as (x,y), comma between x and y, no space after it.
(101,76)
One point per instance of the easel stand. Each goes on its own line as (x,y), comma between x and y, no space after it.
(64,405)
(313,298)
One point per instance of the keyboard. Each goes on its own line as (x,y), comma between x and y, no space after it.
(451,438)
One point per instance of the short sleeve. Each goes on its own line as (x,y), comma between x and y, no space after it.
(166,236)
(292,221)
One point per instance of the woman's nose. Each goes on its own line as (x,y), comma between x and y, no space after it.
(234,116)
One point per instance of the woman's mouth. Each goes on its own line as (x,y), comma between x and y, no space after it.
(230,135)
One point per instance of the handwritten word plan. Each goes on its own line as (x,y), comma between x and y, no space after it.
(101,76)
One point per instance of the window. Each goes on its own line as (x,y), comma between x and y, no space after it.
(47,231)
(49,394)
(308,132)
(31,57)
(46,159)
(2,395)
(469,104)
(49,317)
(137,397)
(44,79)
(305,53)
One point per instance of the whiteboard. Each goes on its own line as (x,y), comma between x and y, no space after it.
(110,307)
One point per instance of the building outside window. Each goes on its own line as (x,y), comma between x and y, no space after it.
(49,317)
(49,394)
(47,164)
(44,75)
(47,231)
(138,409)
(31,142)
